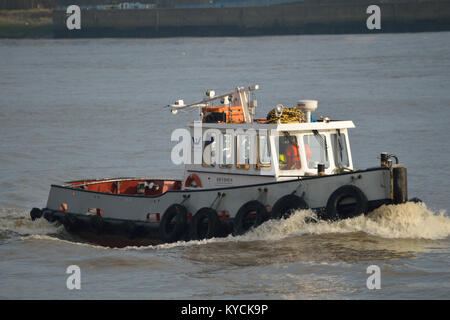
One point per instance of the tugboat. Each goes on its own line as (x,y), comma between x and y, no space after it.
(239,172)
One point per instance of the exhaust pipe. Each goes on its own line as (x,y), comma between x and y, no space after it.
(399,184)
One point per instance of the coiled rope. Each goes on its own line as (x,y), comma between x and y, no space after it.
(289,115)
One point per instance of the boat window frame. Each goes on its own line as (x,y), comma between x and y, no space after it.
(204,164)
(298,137)
(335,149)
(221,148)
(259,164)
(238,165)
(328,149)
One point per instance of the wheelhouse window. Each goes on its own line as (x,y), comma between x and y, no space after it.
(340,153)
(316,150)
(289,155)
(263,151)
(210,150)
(226,150)
(243,151)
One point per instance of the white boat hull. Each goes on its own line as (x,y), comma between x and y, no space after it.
(376,184)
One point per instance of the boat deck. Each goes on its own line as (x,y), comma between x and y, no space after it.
(132,186)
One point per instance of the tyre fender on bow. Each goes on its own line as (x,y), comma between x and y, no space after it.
(337,208)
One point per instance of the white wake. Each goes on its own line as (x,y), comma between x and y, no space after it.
(404,221)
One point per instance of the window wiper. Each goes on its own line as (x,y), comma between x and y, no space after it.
(322,141)
(341,149)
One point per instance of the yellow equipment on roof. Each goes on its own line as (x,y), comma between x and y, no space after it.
(289,115)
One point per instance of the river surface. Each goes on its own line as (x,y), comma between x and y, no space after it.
(73,109)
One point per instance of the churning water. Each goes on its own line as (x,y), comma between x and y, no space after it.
(71,109)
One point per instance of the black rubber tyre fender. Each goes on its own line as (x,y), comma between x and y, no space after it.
(49,216)
(415,200)
(70,222)
(198,231)
(284,206)
(173,224)
(96,224)
(243,222)
(35,213)
(347,191)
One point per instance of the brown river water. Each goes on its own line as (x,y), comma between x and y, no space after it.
(74,109)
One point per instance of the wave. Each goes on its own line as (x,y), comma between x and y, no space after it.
(403,221)
(18,222)
(61,240)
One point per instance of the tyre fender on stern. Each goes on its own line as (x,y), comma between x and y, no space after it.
(205,224)
(173,223)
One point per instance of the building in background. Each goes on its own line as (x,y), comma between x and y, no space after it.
(137,4)
(220,3)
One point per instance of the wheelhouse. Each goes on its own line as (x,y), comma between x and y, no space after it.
(262,151)
(228,145)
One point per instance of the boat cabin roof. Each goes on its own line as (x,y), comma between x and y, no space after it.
(318,125)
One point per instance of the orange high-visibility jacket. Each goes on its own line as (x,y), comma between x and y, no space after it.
(293,157)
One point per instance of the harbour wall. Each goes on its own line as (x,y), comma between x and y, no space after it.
(309,17)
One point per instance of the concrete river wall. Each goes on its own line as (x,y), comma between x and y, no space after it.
(308,17)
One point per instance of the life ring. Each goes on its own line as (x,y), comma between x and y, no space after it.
(336,210)
(284,207)
(193,178)
(96,224)
(244,220)
(35,213)
(173,223)
(205,224)
(70,222)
